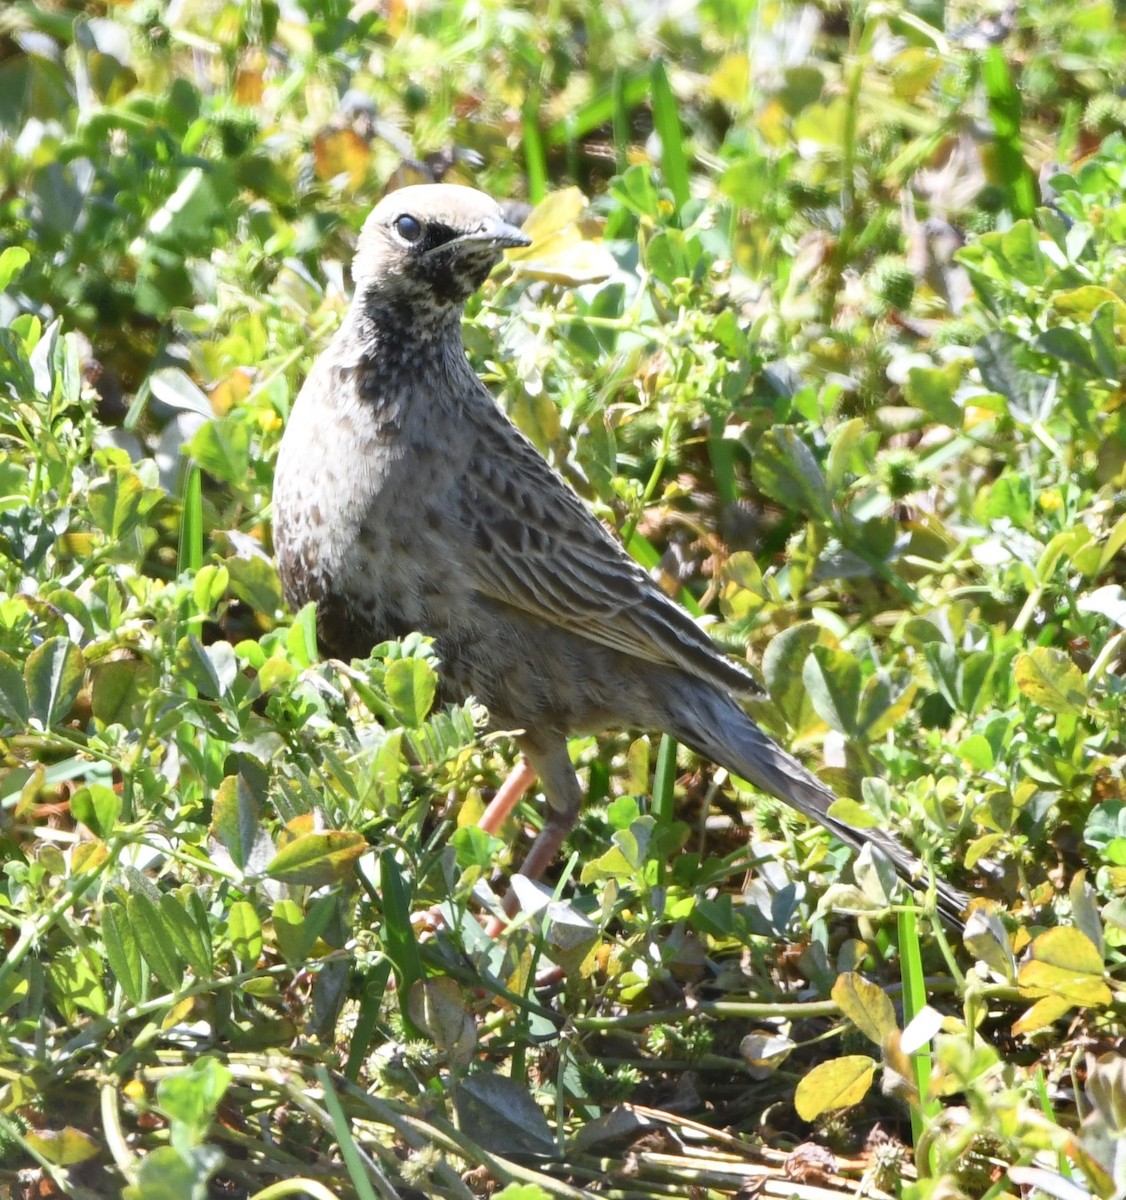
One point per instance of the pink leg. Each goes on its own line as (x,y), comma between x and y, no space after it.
(564,797)
(508,796)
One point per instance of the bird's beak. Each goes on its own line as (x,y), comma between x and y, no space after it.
(493,232)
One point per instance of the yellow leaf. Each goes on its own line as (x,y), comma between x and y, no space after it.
(839,1083)
(1081,303)
(554,213)
(318,859)
(341,152)
(731,80)
(1049,678)
(866,1005)
(1046,1011)
(63,1147)
(1066,964)
(561,252)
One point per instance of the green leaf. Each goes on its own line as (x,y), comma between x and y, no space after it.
(118,687)
(1020,247)
(866,1005)
(192,1095)
(318,859)
(13,691)
(12,262)
(97,807)
(785,469)
(932,389)
(833,1085)
(977,751)
(398,933)
(75,981)
(411,685)
(222,449)
(1105,831)
(53,676)
(245,931)
(165,1174)
(1050,679)
(853,813)
(120,500)
(192,939)
(1014,174)
(123,952)
(235,819)
(156,944)
(832,679)
(289,929)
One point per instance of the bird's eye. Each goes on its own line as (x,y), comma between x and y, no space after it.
(408,228)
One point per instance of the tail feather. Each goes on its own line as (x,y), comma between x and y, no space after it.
(713,725)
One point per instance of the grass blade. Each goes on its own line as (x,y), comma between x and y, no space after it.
(1015,175)
(190,556)
(674,163)
(535,159)
(914,1000)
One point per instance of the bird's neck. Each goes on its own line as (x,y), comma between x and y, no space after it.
(399,349)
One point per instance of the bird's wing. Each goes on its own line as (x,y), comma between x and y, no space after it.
(531,543)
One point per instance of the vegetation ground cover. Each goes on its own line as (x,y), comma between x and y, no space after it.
(825,314)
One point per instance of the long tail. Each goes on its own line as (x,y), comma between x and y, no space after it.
(713,724)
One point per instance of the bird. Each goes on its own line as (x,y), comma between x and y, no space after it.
(406,500)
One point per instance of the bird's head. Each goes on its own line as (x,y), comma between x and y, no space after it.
(430,247)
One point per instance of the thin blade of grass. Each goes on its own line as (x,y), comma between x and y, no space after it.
(914,1000)
(368,1019)
(598,111)
(1015,175)
(666,121)
(190,554)
(535,160)
(398,935)
(349,1151)
(664,777)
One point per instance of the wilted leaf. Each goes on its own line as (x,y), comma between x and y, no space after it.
(866,1005)
(985,937)
(1046,1011)
(63,1147)
(53,676)
(437,1006)
(318,859)
(839,1083)
(499,1114)
(764,1053)
(341,152)
(1049,678)
(1065,963)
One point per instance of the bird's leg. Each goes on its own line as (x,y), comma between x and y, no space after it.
(520,778)
(564,799)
